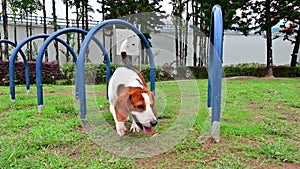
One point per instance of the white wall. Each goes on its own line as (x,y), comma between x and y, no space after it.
(237,48)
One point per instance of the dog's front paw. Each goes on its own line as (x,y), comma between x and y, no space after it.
(134,127)
(121,129)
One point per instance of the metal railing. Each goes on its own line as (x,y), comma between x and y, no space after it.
(39,20)
(61,22)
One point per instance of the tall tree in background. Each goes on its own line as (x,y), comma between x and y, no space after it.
(290,12)
(178,8)
(76,3)
(45,27)
(149,18)
(200,15)
(67,6)
(55,25)
(5,28)
(260,16)
(27,9)
(15,6)
(186,28)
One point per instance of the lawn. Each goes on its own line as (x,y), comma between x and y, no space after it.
(259,128)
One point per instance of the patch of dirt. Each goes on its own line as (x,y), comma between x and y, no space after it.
(257,78)
(171,159)
(70,93)
(167,159)
(61,92)
(261,165)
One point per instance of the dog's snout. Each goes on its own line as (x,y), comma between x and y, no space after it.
(153,123)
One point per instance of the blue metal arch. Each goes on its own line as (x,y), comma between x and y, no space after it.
(41,54)
(27,80)
(215,70)
(80,64)
(19,49)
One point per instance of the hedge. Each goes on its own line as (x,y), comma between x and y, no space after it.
(96,73)
(51,72)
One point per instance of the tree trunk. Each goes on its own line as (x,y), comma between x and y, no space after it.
(30,33)
(27,35)
(67,26)
(45,27)
(5,28)
(180,38)
(1,53)
(269,40)
(86,15)
(186,33)
(176,41)
(195,37)
(103,18)
(77,24)
(55,29)
(82,18)
(295,50)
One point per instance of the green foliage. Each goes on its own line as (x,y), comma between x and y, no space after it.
(259,129)
(260,71)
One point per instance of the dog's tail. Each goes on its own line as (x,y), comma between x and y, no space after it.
(125,59)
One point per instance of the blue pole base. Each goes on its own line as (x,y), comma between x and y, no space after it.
(215,131)
(13,101)
(40,108)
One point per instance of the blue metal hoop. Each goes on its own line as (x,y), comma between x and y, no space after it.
(215,69)
(80,64)
(40,60)
(27,80)
(13,58)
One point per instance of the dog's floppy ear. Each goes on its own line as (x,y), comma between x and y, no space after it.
(152,101)
(123,105)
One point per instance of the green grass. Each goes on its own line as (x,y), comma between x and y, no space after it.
(259,128)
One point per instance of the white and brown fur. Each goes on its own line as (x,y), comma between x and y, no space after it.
(128,96)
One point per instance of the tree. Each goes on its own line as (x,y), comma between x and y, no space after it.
(178,8)
(56,26)
(67,6)
(5,28)
(260,16)
(201,14)
(290,12)
(45,27)
(26,9)
(150,15)
(14,7)
(77,3)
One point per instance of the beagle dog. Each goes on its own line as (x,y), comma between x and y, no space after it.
(128,96)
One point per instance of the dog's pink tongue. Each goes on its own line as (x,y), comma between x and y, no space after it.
(147,130)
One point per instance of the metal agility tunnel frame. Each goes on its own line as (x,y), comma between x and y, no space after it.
(80,77)
(215,71)
(40,60)
(11,78)
(18,48)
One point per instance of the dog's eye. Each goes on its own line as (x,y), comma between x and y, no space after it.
(140,107)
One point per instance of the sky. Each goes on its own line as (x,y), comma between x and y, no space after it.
(60,9)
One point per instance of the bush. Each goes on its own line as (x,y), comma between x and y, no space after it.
(96,73)
(260,71)
(51,72)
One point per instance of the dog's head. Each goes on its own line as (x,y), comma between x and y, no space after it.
(138,102)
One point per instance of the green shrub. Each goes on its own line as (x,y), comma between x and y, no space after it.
(96,73)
